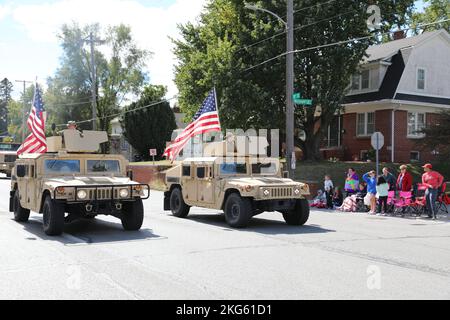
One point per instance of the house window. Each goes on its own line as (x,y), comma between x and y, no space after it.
(421,79)
(355,81)
(416,122)
(365,124)
(414,156)
(365,79)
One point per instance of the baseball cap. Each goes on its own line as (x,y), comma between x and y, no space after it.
(428,166)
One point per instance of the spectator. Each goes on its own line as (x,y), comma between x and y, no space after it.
(338,197)
(390,179)
(382,195)
(405,180)
(352,182)
(328,187)
(370,179)
(320,200)
(433,180)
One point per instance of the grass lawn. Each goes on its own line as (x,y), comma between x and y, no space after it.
(315,171)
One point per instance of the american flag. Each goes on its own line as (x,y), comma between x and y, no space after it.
(205,120)
(36,141)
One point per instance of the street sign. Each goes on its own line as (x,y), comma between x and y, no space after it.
(377,144)
(377,141)
(303,102)
(153,154)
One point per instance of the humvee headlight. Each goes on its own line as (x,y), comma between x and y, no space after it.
(266,193)
(81,194)
(297,191)
(60,190)
(124,193)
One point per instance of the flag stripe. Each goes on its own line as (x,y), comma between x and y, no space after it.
(36,142)
(205,120)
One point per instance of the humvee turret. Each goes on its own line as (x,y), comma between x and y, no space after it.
(241,186)
(72,181)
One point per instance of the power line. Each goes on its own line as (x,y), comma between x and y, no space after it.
(70,104)
(295,29)
(340,43)
(126,112)
(316,5)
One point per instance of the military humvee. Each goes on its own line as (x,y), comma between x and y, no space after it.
(8,155)
(72,178)
(240,186)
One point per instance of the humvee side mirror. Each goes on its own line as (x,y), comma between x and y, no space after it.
(286,174)
(21,171)
(130,174)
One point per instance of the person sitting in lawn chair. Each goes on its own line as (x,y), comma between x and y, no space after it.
(320,201)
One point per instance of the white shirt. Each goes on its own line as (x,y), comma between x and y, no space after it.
(328,184)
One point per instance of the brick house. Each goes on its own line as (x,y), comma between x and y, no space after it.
(402,86)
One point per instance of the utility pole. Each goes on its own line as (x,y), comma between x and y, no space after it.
(24,109)
(289,25)
(93,71)
(290,155)
(94,83)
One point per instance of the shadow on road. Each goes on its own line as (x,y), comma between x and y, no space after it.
(90,232)
(260,225)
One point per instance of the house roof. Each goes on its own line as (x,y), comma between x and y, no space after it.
(389,49)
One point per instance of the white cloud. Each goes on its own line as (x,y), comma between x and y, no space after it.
(151,26)
(4,11)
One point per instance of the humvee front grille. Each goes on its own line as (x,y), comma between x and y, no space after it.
(103,194)
(281,192)
(10,158)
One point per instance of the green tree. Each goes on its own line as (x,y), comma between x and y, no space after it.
(435,10)
(119,75)
(5,98)
(149,127)
(222,49)
(437,136)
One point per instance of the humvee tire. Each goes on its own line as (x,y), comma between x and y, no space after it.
(177,205)
(133,215)
(299,215)
(53,217)
(20,214)
(238,211)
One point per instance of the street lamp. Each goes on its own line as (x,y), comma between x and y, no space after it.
(289,25)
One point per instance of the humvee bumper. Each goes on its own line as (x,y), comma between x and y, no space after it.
(11,200)
(101,193)
(166,201)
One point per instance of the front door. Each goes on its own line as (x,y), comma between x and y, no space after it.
(31,188)
(22,183)
(189,184)
(205,183)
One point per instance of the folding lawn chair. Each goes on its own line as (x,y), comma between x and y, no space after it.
(443,200)
(403,205)
(419,205)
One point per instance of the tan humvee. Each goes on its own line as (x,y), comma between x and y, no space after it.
(73,178)
(240,186)
(8,155)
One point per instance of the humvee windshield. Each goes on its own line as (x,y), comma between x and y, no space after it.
(103,166)
(9,146)
(62,166)
(230,168)
(267,168)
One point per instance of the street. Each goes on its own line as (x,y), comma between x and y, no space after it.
(335,256)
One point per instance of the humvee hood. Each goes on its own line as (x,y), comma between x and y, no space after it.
(87,181)
(263,181)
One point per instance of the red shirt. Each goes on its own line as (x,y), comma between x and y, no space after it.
(432,179)
(406,181)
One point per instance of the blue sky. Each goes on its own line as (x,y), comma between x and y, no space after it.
(28,28)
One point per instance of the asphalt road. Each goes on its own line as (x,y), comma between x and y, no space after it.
(336,256)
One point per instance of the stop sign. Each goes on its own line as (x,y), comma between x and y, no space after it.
(377,141)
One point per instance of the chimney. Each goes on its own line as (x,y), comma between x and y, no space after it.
(399,34)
